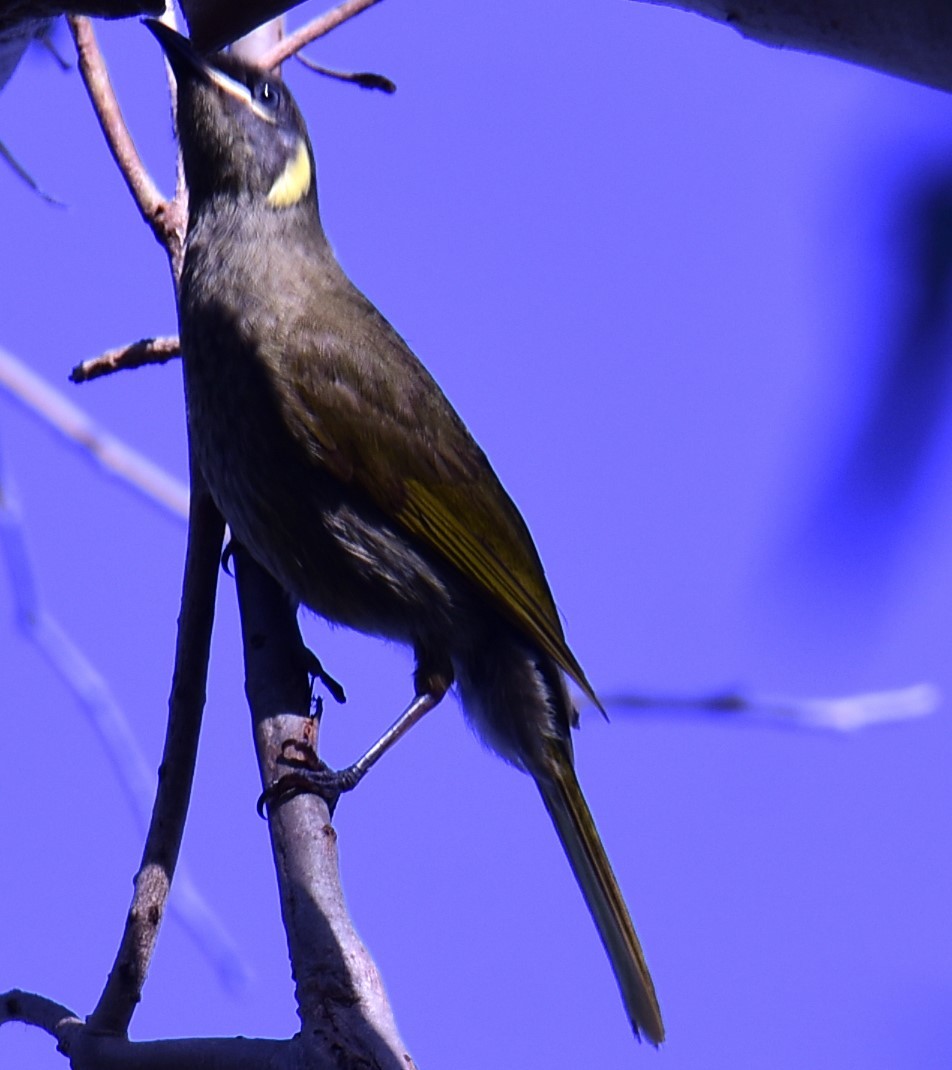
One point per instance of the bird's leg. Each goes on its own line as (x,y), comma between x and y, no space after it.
(311,775)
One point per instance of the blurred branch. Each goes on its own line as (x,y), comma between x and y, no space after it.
(16,36)
(133,355)
(911,39)
(21,172)
(845,714)
(96,701)
(186,703)
(117,459)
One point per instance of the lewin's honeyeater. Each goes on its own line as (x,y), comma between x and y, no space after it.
(343,470)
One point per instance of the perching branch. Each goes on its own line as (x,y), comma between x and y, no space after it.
(345,1016)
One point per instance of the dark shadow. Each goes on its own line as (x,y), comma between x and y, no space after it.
(862,514)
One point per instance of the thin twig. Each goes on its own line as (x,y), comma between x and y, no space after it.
(113,456)
(133,355)
(846,714)
(164,217)
(186,703)
(311,31)
(365,79)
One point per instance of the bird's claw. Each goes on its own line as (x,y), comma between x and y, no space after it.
(311,776)
(318,672)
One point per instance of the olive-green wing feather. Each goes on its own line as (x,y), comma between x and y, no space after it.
(399,439)
(463,524)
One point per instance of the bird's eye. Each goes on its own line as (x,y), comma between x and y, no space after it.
(266,94)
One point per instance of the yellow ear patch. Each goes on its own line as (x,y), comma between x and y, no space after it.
(294,182)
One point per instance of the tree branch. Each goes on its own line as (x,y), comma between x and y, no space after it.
(31,1009)
(124,986)
(165,218)
(341,999)
(846,714)
(133,355)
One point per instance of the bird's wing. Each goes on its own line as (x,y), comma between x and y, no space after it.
(375,417)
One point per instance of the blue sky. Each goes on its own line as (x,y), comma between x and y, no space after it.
(660,271)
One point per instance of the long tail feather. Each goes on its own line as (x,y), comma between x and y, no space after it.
(576,828)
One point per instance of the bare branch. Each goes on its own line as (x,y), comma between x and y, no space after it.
(88,1051)
(115,457)
(341,1000)
(845,714)
(318,27)
(31,1009)
(133,355)
(164,217)
(124,986)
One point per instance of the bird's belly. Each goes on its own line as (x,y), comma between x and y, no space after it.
(322,540)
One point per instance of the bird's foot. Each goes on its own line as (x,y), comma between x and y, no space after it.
(309,776)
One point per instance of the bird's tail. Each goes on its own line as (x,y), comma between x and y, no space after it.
(573,821)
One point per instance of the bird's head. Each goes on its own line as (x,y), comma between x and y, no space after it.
(241,133)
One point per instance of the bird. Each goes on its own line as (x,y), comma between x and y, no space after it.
(343,470)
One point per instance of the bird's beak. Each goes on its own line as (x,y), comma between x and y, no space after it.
(187,65)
